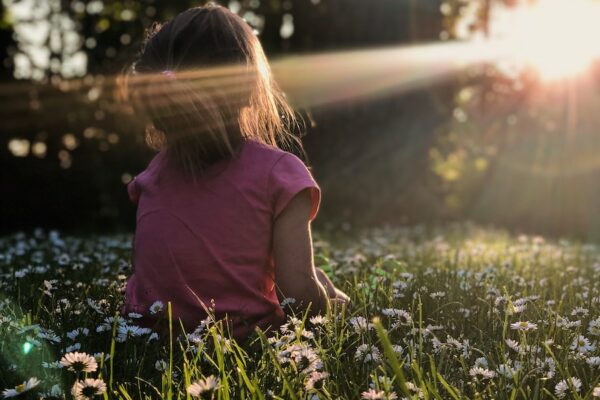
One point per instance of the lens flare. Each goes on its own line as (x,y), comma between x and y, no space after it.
(558,38)
(27,347)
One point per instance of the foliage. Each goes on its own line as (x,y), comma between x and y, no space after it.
(459,312)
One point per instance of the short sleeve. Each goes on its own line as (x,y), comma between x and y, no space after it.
(133,191)
(289,176)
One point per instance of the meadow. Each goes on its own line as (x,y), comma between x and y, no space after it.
(459,312)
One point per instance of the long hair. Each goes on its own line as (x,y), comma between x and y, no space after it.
(203,85)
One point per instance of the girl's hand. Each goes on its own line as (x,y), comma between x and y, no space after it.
(341,296)
(326,282)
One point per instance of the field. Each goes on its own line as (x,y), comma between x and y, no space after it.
(459,312)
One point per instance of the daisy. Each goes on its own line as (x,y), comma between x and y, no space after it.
(548,367)
(318,320)
(72,348)
(88,388)
(593,361)
(367,353)
(481,362)
(594,327)
(360,324)
(580,312)
(562,387)
(596,391)
(373,394)
(507,371)
(414,389)
(305,358)
(49,335)
(483,372)
(404,317)
(287,301)
(207,384)
(79,362)
(516,309)
(315,379)
(156,307)
(52,365)
(22,388)
(291,325)
(128,331)
(524,326)
(513,345)
(582,345)
(160,365)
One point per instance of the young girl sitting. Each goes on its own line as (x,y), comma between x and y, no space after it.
(223,214)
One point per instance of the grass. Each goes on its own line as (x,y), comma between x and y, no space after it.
(453,313)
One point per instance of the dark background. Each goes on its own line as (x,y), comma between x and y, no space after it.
(393,159)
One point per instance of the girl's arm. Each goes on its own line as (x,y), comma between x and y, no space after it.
(295,273)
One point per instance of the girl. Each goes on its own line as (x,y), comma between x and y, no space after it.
(223,215)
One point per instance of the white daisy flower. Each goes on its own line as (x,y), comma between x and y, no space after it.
(160,365)
(79,362)
(484,373)
(49,335)
(562,388)
(315,379)
(76,332)
(580,312)
(156,307)
(565,323)
(593,361)
(22,388)
(373,394)
(594,327)
(305,358)
(318,320)
(596,391)
(516,309)
(287,301)
(207,384)
(507,371)
(88,388)
(366,353)
(582,345)
(513,345)
(127,331)
(52,365)
(481,362)
(360,324)
(548,367)
(524,326)
(73,347)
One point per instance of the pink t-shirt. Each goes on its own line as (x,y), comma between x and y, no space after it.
(210,242)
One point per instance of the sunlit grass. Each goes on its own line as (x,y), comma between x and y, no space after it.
(459,312)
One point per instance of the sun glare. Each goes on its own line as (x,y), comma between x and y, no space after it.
(558,38)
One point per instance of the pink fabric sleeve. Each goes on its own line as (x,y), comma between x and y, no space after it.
(289,176)
(133,191)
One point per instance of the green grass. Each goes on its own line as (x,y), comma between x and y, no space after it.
(433,318)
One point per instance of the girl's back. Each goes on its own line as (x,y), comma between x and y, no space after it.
(223,217)
(207,244)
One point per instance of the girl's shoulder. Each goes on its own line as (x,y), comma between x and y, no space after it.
(265,154)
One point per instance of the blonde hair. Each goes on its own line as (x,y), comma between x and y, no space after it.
(203,83)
